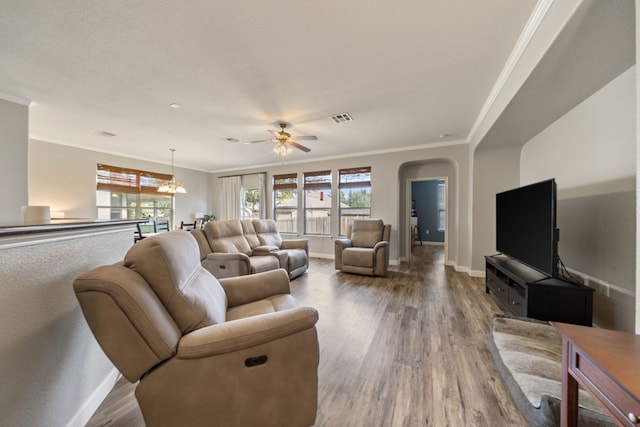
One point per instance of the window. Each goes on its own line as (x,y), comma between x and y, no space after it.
(250,199)
(355,195)
(442,200)
(130,193)
(285,197)
(317,203)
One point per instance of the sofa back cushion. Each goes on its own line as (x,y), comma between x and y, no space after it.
(227,237)
(267,230)
(170,263)
(365,233)
(203,242)
(250,233)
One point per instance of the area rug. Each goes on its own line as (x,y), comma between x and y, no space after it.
(528,355)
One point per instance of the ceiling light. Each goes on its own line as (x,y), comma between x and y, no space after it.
(444,135)
(171,186)
(175,105)
(282,148)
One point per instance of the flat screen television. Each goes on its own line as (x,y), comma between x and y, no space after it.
(526,226)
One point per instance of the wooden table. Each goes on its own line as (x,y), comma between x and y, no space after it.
(607,364)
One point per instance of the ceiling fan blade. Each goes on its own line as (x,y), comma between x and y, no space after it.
(260,140)
(274,132)
(299,147)
(305,138)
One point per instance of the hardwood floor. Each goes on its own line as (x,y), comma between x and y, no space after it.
(409,349)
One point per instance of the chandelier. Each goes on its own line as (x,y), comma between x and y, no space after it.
(171,186)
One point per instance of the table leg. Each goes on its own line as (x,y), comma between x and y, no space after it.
(569,404)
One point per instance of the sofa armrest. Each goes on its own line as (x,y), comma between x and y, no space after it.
(296,244)
(227,265)
(340,245)
(380,245)
(264,250)
(245,333)
(254,287)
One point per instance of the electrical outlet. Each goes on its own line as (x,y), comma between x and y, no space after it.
(426,231)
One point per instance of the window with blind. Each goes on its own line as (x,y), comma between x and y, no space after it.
(317,202)
(124,193)
(355,195)
(285,202)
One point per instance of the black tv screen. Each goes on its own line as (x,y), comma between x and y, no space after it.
(526,226)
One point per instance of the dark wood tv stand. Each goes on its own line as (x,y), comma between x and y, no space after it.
(525,292)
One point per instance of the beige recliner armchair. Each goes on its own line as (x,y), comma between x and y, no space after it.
(366,248)
(238,352)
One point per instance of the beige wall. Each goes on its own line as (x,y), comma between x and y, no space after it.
(64,178)
(637,234)
(388,174)
(14,134)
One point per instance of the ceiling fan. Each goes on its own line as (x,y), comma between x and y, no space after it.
(285,141)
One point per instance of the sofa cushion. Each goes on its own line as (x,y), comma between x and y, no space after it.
(263,306)
(263,263)
(170,263)
(227,237)
(366,233)
(358,257)
(250,233)
(267,230)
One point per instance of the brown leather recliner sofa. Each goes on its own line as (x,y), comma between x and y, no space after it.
(234,352)
(365,250)
(235,248)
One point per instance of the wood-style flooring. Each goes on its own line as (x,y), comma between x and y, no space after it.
(408,349)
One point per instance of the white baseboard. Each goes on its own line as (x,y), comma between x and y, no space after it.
(331,256)
(477,273)
(89,407)
(320,255)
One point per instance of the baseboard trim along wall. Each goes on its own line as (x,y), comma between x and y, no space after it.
(88,408)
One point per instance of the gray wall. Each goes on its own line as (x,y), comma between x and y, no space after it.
(495,169)
(425,196)
(53,371)
(591,153)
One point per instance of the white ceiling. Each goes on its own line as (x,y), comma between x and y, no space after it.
(407,71)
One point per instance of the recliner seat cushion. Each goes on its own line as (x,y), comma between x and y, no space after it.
(358,257)
(366,234)
(170,263)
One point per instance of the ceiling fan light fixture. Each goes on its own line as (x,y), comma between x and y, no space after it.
(282,149)
(171,186)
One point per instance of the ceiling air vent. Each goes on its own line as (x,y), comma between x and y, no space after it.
(341,118)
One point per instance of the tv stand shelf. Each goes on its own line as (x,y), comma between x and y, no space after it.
(525,292)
